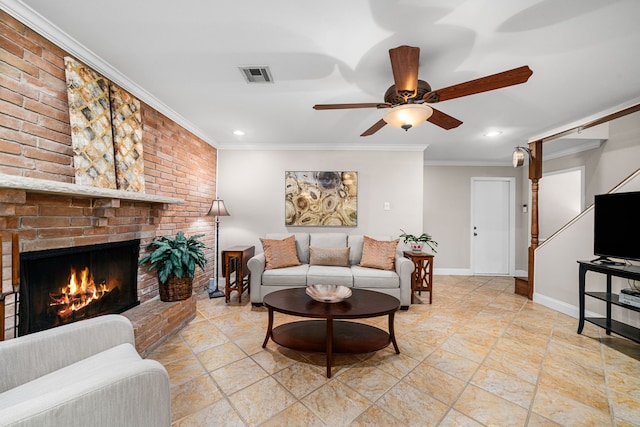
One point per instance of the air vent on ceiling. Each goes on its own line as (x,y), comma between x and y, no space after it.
(257,74)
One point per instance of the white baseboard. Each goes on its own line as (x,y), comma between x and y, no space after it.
(520,273)
(452,271)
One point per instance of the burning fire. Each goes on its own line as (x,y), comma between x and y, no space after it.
(79,293)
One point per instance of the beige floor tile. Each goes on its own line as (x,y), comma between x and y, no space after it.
(336,404)
(457,419)
(412,408)
(238,375)
(296,415)
(490,409)
(375,416)
(221,355)
(435,383)
(453,364)
(192,396)
(276,360)
(477,353)
(218,414)
(625,407)
(370,381)
(301,378)
(566,411)
(171,350)
(252,405)
(508,387)
(184,370)
(202,335)
(470,344)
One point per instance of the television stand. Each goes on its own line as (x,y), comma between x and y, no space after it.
(610,325)
(603,260)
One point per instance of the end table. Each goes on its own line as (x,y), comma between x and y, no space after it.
(422,276)
(234,260)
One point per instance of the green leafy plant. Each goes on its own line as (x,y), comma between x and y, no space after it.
(176,256)
(423,238)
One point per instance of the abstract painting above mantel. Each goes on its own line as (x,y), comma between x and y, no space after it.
(106,131)
(321,198)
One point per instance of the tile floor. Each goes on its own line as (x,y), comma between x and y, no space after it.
(479,355)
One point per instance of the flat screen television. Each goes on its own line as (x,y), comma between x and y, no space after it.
(616,231)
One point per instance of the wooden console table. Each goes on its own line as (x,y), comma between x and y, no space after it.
(422,276)
(610,325)
(234,260)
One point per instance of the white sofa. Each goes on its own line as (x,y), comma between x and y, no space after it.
(395,282)
(86,373)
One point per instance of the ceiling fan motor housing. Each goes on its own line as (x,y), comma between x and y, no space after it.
(394,98)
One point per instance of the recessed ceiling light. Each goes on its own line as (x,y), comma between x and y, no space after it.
(493,133)
(238,132)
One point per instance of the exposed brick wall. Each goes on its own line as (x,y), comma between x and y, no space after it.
(35,142)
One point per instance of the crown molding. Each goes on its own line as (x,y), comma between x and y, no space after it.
(56,35)
(255,147)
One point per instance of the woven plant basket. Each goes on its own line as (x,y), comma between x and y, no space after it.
(176,289)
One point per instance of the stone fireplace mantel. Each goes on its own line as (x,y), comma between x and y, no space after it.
(35,185)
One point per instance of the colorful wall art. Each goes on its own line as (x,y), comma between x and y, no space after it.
(326,199)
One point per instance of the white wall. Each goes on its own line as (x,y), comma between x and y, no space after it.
(251,183)
(447,214)
(556,270)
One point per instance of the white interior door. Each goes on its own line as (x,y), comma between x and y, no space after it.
(493,226)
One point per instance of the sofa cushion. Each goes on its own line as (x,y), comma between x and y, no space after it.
(328,240)
(280,253)
(329,256)
(329,275)
(302,243)
(364,277)
(378,253)
(356,241)
(293,276)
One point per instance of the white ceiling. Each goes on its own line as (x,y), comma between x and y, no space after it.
(182,57)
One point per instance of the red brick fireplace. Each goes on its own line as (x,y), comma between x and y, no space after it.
(35,143)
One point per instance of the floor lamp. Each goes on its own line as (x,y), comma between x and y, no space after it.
(218,209)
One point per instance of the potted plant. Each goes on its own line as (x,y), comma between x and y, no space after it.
(175,259)
(418,242)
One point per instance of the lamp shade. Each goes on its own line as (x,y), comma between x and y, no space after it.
(218,208)
(407,116)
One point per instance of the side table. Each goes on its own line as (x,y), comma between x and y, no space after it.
(422,276)
(234,260)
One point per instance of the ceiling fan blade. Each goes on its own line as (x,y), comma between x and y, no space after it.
(345,106)
(483,84)
(404,64)
(443,120)
(375,128)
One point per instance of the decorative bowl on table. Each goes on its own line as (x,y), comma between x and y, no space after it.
(328,293)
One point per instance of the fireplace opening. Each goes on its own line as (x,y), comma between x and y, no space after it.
(61,286)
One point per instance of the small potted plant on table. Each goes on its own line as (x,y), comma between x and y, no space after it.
(418,242)
(175,259)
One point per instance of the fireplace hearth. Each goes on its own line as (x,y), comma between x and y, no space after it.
(61,286)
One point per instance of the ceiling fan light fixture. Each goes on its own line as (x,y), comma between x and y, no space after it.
(407,116)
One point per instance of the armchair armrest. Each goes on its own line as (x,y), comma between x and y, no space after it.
(256,265)
(404,269)
(31,356)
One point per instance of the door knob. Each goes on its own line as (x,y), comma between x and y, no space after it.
(475,234)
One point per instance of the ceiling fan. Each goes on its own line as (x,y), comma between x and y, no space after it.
(409,97)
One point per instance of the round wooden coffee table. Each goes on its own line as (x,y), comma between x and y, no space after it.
(331,335)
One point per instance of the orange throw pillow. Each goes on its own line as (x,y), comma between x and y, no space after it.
(380,254)
(280,253)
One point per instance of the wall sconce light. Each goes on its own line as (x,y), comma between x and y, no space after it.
(407,116)
(519,155)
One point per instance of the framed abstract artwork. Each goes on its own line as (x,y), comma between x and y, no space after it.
(321,198)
